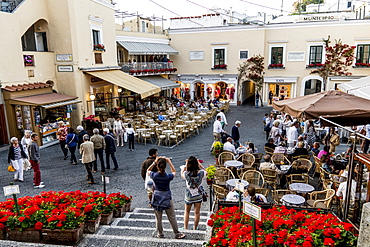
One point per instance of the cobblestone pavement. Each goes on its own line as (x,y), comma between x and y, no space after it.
(58,174)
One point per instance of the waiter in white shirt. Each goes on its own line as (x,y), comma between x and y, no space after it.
(223,118)
(292,134)
(217,129)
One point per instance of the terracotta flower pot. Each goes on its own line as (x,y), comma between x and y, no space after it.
(25,235)
(92,225)
(209,181)
(106,219)
(59,236)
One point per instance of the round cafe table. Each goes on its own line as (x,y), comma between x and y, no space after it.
(301,187)
(293,200)
(180,126)
(197,117)
(234,163)
(230,184)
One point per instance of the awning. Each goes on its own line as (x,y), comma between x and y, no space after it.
(160,82)
(127,81)
(355,84)
(142,48)
(49,100)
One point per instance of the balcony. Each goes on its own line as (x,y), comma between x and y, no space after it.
(148,68)
(9,5)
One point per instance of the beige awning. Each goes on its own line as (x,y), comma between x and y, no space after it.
(122,79)
(48,100)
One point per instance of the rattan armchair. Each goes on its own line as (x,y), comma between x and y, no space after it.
(270,177)
(254,178)
(247,159)
(225,156)
(222,174)
(321,199)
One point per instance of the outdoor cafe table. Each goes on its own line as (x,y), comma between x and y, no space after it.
(153,124)
(180,126)
(230,184)
(293,200)
(197,117)
(234,163)
(188,122)
(167,133)
(301,187)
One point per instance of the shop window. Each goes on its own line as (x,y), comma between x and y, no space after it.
(219,59)
(363,54)
(316,55)
(243,55)
(41,41)
(143,26)
(276,57)
(96,37)
(98,58)
(28,40)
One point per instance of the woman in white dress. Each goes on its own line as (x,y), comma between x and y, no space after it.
(26,140)
(118,130)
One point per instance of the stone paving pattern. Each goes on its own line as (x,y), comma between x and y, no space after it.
(58,174)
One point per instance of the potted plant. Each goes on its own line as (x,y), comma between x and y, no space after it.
(217,149)
(92,217)
(210,174)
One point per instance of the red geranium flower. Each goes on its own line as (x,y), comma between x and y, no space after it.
(38,225)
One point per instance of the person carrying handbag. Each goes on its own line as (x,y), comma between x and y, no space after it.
(193,173)
(71,143)
(15,158)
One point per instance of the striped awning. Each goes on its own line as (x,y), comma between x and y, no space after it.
(49,100)
(142,48)
(68,102)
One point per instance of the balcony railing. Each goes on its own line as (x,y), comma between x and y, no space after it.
(147,68)
(9,5)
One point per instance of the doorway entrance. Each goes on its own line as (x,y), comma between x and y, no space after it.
(3,131)
(199,90)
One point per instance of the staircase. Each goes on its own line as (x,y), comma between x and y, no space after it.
(137,229)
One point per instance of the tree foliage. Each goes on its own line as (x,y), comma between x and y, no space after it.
(251,70)
(338,58)
(300,5)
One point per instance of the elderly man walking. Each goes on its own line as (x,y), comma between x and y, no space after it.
(88,157)
(99,146)
(110,148)
(235,133)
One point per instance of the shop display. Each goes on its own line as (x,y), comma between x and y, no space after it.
(18,115)
(36,114)
(27,118)
(49,131)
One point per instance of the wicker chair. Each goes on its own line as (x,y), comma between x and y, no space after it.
(225,156)
(301,157)
(278,194)
(254,178)
(278,158)
(269,151)
(307,163)
(318,164)
(220,193)
(321,199)
(258,158)
(247,159)
(270,177)
(297,178)
(241,171)
(222,174)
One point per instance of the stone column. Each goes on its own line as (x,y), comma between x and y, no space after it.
(364,236)
(192,90)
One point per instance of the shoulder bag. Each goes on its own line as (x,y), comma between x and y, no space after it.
(200,190)
(70,141)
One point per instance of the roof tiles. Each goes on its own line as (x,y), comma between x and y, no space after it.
(27,86)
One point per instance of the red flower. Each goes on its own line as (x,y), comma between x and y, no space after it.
(38,225)
(329,242)
(21,219)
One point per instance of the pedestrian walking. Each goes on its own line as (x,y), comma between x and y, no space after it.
(292,134)
(223,118)
(257,98)
(235,135)
(34,157)
(162,197)
(217,129)
(193,173)
(62,136)
(99,146)
(15,158)
(118,130)
(110,148)
(153,153)
(71,142)
(131,137)
(80,135)
(88,157)
(26,140)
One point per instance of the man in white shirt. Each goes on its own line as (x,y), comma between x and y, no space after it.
(217,129)
(228,146)
(292,134)
(223,118)
(269,165)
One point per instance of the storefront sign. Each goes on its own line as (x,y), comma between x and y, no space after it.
(296,56)
(280,79)
(96,79)
(65,68)
(64,57)
(196,55)
(319,18)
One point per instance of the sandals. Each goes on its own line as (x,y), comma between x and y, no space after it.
(180,236)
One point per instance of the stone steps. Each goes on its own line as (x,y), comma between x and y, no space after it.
(137,229)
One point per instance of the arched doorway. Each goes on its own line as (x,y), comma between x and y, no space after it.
(311,85)
(199,90)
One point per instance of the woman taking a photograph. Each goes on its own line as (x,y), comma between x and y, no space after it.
(193,173)
(162,197)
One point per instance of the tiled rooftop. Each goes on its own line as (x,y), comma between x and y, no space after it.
(26,86)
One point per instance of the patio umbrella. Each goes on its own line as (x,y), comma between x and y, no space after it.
(337,106)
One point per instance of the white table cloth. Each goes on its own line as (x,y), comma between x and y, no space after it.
(291,199)
(301,187)
(230,184)
(234,163)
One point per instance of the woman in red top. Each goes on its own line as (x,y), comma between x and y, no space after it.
(62,136)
